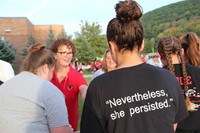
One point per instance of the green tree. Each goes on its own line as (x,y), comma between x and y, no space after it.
(50,38)
(63,34)
(84,53)
(90,42)
(7,51)
(175,19)
(31,41)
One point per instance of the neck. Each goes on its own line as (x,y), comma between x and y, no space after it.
(62,69)
(110,69)
(175,59)
(128,59)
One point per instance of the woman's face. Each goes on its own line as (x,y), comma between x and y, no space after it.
(109,62)
(64,56)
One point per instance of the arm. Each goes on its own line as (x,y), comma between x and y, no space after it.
(175,126)
(63,129)
(83,91)
(56,111)
(89,120)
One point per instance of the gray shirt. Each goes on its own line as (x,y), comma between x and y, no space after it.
(29,104)
(97,73)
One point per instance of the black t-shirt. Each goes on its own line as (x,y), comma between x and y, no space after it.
(1,82)
(139,99)
(192,122)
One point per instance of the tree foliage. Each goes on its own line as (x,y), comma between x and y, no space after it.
(174,19)
(31,41)
(90,43)
(63,34)
(7,51)
(51,38)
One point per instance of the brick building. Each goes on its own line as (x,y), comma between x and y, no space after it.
(16,30)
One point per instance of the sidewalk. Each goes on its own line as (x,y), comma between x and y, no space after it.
(87,76)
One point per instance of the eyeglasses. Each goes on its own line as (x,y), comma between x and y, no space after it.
(66,53)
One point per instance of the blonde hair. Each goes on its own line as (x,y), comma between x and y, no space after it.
(104,67)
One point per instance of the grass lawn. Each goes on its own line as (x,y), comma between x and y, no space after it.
(81,105)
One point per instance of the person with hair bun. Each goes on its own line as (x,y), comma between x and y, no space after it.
(171,53)
(29,102)
(191,44)
(135,97)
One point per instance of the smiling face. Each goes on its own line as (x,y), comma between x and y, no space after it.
(64,55)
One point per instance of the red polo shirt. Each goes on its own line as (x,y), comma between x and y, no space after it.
(70,88)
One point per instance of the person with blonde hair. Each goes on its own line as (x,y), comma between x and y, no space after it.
(107,64)
(135,97)
(29,102)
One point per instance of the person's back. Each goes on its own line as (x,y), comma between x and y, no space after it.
(136,99)
(188,76)
(30,103)
(6,71)
(26,106)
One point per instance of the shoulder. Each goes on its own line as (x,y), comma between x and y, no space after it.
(76,76)
(5,64)
(192,68)
(73,71)
(97,73)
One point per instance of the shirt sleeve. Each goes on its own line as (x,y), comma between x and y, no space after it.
(55,110)
(182,112)
(80,80)
(89,121)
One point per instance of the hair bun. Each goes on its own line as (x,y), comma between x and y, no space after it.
(35,48)
(128,10)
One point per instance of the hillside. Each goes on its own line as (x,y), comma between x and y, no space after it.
(170,20)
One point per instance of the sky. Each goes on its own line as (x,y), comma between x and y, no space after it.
(70,13)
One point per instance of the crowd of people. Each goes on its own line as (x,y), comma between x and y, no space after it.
(128,94)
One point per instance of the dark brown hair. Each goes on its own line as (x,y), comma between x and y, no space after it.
(126,29)
(191,45)
(62,41)
(168,46)
(37,56)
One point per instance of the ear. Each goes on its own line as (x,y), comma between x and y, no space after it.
(113,46)
(142,46)
(45,69)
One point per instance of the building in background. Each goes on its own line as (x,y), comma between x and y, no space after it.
(16,30)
